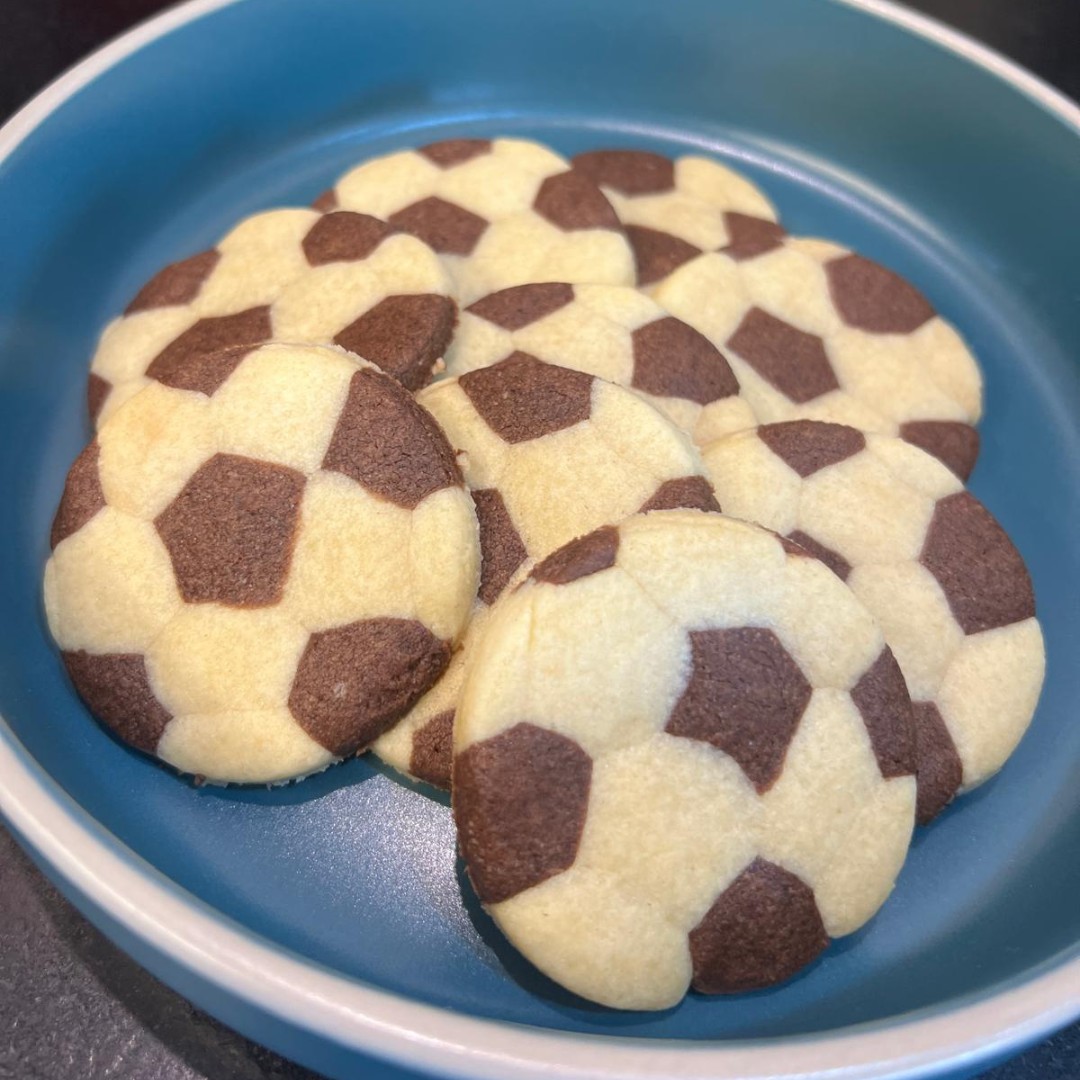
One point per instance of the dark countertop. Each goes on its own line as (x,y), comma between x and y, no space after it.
(72,1005)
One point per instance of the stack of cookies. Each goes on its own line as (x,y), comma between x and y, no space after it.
(582,489)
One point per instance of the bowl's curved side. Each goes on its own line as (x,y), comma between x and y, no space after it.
(326,1020)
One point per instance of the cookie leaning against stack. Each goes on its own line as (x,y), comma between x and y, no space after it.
(549,454)
(683,752)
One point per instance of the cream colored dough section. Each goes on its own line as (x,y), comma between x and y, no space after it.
(282,403)
(503,182)
(444,556)
(671,824)
(889,371)
(717,557)
(989,695)
(525,248)
(326,299)
(109,587)
(612,463)
(833,820)
(211,657)
(259,257)
(708,293)
(916,618)
(264,746)
(829,633)
(859,508)
(576,927)
(351,560)
(708,180)
(152,446)
(751,482)
(385,185)
(541,642)
(582,337)
(482,455)
(128,345)
(492,185)
(672,821)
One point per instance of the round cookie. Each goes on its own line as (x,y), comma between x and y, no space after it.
(549,454)
(927,559)
(683,756)
(674,210)
(499,212)
(256,573)
(616,333)
(815,332)
(290,275)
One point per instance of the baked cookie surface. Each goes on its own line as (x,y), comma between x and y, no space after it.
(928,560)
(615,333)
(683,756)
(261,562)
(674,210)
(549,454)
(499,212)
(816,332)
(289,275)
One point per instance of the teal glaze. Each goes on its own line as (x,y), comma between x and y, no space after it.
(859,132)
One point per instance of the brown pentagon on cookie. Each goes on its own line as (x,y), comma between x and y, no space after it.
(683,758)
(674,210)
(948,587)
(521,805)
(178,283)
(615,333)
(813,331)
(225,584)
(761,930)
(745,696)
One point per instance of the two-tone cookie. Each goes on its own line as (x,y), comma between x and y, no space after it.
(683,757)
(289,275)
(941,576)
(674,210)
(499,212)
(261,563)
(816,332)
(549,454)
(615,333)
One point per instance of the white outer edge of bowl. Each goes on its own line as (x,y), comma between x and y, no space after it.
(189,933)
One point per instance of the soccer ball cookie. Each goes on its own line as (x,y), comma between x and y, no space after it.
(675,210)
(815,332)
(261,566)
(616,333)
(950,591)
(549,454)
(683,756)
(500,212)
(291,275)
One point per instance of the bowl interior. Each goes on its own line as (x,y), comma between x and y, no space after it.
(858,131)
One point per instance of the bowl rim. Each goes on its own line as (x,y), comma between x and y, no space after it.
(106,877)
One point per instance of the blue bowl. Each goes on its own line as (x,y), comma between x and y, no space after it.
(327,919)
